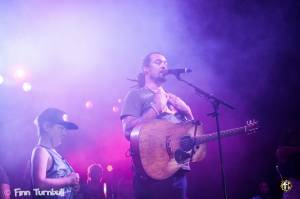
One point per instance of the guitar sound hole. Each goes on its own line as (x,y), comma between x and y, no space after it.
(186,143)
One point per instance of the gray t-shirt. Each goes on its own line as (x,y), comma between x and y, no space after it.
(138,101)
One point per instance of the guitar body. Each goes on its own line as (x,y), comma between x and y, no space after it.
(159,148)
(153,146)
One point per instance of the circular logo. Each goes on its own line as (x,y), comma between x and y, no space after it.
(286,185)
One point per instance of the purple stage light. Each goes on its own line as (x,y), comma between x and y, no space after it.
(27,87)
(115,109)
(1,79)
(19,74)
(89,104)
(109,168)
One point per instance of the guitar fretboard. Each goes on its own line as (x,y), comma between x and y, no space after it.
(213,136)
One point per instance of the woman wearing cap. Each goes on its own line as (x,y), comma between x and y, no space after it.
(49,171)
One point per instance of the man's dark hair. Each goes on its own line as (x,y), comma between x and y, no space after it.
(146,62)
(147,58)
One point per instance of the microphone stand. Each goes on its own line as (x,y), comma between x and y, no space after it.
(216,102)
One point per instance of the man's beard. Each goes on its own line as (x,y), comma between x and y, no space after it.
(160,79)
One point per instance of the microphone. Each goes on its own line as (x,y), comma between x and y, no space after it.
(177,71)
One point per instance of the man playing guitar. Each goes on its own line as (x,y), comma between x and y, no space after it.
(147,102)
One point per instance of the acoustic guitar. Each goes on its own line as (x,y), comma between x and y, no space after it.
(160,148)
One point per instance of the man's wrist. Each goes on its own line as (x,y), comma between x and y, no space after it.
(154,108)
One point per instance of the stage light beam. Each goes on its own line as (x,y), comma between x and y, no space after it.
(105,190)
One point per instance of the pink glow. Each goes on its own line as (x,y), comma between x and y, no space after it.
(19,74)
(89,104)
(109,168)
(115,109)
(27,87)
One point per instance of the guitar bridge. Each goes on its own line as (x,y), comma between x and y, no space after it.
(181,156)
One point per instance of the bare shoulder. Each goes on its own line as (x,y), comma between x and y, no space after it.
(40,152)
(41,157)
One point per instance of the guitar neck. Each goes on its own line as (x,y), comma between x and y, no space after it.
(213,136)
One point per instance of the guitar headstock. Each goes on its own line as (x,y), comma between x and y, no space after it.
(251,126)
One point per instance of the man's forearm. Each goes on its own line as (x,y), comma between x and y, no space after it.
(130,122)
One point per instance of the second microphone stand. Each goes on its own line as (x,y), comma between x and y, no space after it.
(216,102)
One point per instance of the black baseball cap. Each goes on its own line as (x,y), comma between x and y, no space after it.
(55,116)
